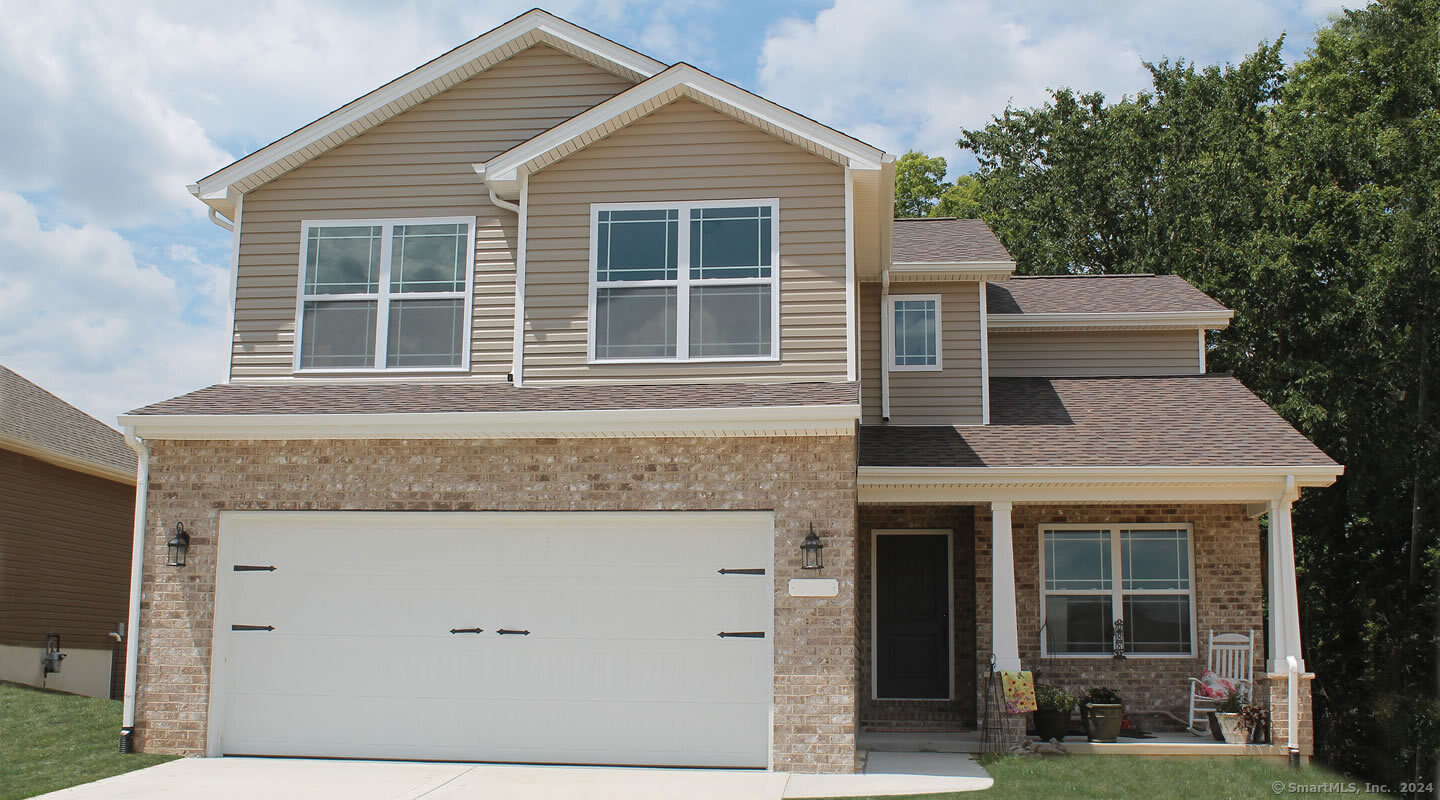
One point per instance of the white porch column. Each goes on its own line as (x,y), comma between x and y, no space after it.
(1284,598)
(1005,638)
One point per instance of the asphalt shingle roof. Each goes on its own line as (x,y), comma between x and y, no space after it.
(355,398)
(945,240)
(1095,294)
(1195,420)
(35,418)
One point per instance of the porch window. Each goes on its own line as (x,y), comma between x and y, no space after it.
(685,281)
(385,294)
(1139,574)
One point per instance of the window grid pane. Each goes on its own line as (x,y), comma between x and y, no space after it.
(635,323)
(425,333)
(1078,623)
(338,334)
(730,242)
(1154,559)
(730,321)
(637,245)
(916,333)
(428,258)
(343,260)
(1078,561)
(1157,623)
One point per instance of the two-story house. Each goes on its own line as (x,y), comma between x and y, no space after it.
(588,409)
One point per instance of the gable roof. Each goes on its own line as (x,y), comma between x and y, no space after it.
(1132,300)
(39,424)
(218,190)
(504,172)
(946,240)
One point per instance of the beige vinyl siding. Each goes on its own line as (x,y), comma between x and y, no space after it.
(686,151)
(417,164)
(1055,354)
(950,396)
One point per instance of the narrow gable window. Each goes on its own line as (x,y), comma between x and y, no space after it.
(684,281)
(385,294)
(915,332)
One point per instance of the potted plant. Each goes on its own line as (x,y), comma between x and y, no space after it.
(1227,720)
(1052,713)
(1104,712)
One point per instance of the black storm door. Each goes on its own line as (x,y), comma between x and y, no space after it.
(912,616)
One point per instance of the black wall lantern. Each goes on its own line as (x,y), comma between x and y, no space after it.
(179,543)
(811,555)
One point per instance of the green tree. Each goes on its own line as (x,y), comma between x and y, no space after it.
(960,199)
(918,183)
(1305,199)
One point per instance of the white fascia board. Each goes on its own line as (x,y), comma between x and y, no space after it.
(977,267)
(817,420)
(501,172)
(1086,484)
(535,20)
(1128,319)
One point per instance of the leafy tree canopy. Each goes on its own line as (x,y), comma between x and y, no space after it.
(921,190)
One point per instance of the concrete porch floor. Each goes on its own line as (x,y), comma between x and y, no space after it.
(1159,744)
(284,778)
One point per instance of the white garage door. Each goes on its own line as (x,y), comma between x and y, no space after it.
(583,638)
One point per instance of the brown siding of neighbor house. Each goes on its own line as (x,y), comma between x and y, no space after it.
(417,164)
(686,151)
(948,397)
(803,480)
(1055,354)
(64,554)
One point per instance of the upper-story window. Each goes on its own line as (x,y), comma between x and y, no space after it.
(915,332)
(385,294)
(1094,575)
(685,281)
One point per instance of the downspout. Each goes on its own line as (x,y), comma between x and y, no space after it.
(517,363)
(221,221)
(887,343)
(1292,710)
(137,576)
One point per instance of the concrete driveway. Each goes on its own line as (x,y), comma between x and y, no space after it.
(282,778)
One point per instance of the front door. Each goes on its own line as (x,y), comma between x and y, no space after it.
(912,615)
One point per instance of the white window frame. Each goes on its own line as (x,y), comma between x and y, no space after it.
(1116,590)
(891,339)
(683,281)
(383,295)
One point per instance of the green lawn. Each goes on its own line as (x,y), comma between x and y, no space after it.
(1179,778)
(51,740)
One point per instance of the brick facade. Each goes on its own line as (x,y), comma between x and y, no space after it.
(803,480)
(956,714)
(1229,587)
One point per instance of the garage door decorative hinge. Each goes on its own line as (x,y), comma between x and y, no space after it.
(252,568)
(467,630)
(741,634)
(753,571)
(252,627)
(508,632)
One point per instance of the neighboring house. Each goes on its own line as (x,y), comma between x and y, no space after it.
(67,513)
(547,360)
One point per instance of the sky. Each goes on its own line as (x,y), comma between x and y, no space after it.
(114,285)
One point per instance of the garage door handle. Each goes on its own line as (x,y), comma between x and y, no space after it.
(467,630)
(252,627)
(507,632)
(741,634)
(749,571)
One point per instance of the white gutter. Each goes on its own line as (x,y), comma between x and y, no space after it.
(1135,319)
(137,576)
(980,476)
(221,221)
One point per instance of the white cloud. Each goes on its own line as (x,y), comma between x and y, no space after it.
(83,318)
(913,73)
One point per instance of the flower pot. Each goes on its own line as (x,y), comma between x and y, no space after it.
(1105,720)
(1051,724)
(1232,729)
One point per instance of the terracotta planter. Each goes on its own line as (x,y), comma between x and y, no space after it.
(1051,724)
(1232,729)
(1104,721)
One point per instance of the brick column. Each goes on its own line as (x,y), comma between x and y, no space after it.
(1280,708)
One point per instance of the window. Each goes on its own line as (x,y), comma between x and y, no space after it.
(1094,575)
(915,332)
(385,294)
(685,281)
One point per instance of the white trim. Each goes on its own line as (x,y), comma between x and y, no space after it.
(852,351)
(683,281)
(984,270)
(1128,319)
(502,172)
(137,582)
(215,186)
(874,606)
(517,359)
(984,354)
(66,461)
(1117,592)
(1004,606)
(811,420)
(1200,334)
(236,228)
(889,321)
(382,295)
(1084,484)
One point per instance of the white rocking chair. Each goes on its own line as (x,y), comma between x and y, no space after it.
(1232,657)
